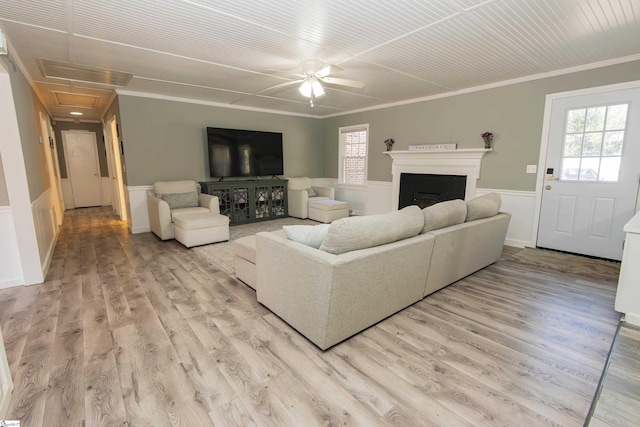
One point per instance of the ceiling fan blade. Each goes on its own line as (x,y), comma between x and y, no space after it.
(328,70)
(281,85)
(343,82)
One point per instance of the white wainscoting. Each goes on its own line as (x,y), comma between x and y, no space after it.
(105,190)
(139,221)
(521,205)
(46,228)
(372,198)
(67,193)
(375,197)
(10,265)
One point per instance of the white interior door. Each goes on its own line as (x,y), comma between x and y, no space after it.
(81,153)
(592,175)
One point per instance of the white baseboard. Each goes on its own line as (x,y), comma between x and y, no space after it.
(138,230)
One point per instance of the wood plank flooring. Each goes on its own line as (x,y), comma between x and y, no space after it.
(618,401)
(129,330)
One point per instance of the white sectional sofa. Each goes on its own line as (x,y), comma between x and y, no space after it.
(370,267)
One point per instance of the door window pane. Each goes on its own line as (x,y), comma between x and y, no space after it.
(575,120)
(589,169)
(613,143)
(595,119)
(617,117)
(573,145)
(592,144)
(610,169)
(570,169)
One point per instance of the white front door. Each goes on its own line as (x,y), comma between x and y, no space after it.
(592,173)
(81,153)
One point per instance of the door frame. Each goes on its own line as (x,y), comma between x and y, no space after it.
(544,142)
(53,169)
(114,147)
(66,156)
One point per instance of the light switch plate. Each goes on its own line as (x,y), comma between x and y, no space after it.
(532,168)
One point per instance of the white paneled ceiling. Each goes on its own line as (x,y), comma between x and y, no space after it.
(231,52)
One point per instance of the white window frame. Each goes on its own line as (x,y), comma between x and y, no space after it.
(341,132)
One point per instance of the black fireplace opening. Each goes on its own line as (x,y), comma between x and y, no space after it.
(425,189)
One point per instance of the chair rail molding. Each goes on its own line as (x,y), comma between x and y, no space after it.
(462,162)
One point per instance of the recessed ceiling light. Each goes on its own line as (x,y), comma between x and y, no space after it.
(76,113)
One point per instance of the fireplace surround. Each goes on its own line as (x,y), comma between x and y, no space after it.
(462,162)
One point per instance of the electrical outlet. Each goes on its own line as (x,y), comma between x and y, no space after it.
(532,168)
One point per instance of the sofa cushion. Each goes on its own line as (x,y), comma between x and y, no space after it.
(311,192)
(360,232)
(167,187)
(310,235)
(181,200)
(483,206)
(444,214)
(299,183)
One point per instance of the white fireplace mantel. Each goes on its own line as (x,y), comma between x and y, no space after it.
(463,162)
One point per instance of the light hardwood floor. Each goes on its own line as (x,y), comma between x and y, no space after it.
(129,330)
(618,401)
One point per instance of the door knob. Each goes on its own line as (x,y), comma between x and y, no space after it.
(548,187)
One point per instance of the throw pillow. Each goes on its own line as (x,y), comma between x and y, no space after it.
(483,206)
(181,200)
(360,232)
(310,235)
(311,192)
(444,214)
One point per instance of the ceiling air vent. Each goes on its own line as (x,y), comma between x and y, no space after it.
(82,73)
(64,99)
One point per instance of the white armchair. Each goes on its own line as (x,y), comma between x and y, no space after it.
(169,198)
(300,192)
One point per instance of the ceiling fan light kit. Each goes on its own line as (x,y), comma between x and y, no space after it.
(311,87)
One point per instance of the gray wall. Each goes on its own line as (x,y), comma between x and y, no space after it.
(513,113)
(4,195)
(166,140)
(28,107)
(91,127)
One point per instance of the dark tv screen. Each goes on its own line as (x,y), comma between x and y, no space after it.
(244,153)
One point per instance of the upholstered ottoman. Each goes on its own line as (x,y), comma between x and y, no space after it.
(328,210)
(200,228)
(244,260)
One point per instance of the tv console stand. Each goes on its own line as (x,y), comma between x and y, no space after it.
(250,201)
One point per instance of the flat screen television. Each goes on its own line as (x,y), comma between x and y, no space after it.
(244,153)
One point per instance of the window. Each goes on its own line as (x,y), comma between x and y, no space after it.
(593,140)
(352,167)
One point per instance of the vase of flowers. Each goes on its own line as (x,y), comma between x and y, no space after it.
(389,143)
(488,139)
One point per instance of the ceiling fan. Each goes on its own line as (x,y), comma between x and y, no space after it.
(313,76)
